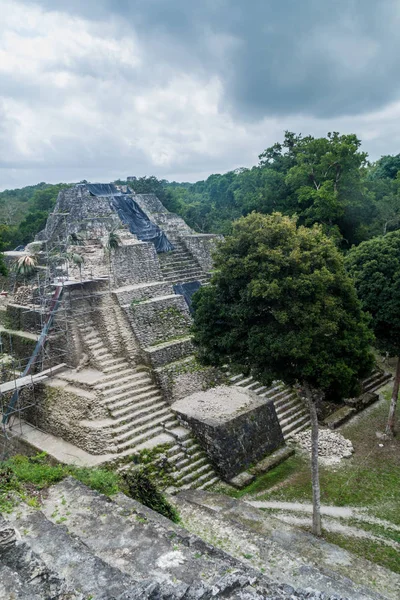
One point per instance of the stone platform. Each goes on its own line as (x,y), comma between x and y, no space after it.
(235,426)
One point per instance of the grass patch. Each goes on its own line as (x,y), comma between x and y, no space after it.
(275,476)
(371,550)
(369,480)
(24,478)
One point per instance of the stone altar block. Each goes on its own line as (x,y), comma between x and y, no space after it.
(235,426)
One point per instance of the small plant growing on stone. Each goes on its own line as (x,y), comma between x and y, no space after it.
(142,488)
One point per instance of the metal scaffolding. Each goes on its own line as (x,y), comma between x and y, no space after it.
(55,299)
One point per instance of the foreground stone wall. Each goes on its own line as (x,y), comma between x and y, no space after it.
(235,427)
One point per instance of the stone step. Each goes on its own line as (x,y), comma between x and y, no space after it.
(182,264)
(132,402)
(114,361)
(144,392)
(95,345)
(188,443)
(133,413)
(253,385)
(137,382)
(293,417)
(376,382)
(286,409)
(123,372)
(103,353)
(184,278)
(236,378)
(186,460)
(198,481)
(180,267)
(245,381)
(208,484)
(277,394)
(191,466)
(139,439)
(174,450)
(148,425)
(296,427)
(112,367)
(112,383)
(126,428)
(195,475)
(68,557)
(286,401)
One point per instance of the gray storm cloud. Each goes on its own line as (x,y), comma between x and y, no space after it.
(180,89)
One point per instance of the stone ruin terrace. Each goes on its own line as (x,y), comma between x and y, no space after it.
(123,332)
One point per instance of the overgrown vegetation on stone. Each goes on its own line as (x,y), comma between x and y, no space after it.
(25,478)
(141,487)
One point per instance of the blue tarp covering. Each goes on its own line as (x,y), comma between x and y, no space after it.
(187,290)
(130,213)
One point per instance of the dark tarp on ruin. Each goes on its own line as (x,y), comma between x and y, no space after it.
(187,290)
(132,215)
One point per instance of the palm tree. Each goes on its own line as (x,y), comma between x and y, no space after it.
(113,242)
(24,267)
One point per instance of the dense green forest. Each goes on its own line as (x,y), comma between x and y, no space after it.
(324,180)
(23,212)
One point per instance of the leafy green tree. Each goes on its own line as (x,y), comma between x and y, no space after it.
(282,306)
(33,223)
(386,167)
(375,267)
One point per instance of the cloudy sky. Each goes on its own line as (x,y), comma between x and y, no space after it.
(101,89)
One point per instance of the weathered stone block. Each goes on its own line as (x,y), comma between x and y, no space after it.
(339,417)
(142,291)
(160,319)
(202,246)
(161,354)
(185,377)
(235,426)
(135,263)
(71,413)
(19,318)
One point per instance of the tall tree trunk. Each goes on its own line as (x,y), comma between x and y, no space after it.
(393,402)
(316,527)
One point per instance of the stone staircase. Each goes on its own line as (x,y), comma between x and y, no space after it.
(375,381)
(141,419)
(81,545)
(179,266)
(292,413)
(190,464)
(282,551)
